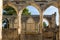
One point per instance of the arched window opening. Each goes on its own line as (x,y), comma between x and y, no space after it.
(5,23)
(50,11)
(45,23)
(11,14)
(30,12)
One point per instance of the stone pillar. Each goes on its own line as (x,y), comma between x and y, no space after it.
(19,17)
(41,23)
(57,35)
(11,23)
(1,19)
(12,26)
(36,27)
(59,23)
(53,20)
(59,17)
(23,28)
(49,24)
(16,23)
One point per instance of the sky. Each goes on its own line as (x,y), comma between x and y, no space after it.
(49,11)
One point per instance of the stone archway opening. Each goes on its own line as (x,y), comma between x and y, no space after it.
(53,17)
(53,10)
(10,13)
(45,23)
(9,21)
(20,12)
(30,23)
(30,12)
(5,23)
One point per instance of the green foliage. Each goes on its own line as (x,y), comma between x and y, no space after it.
(26,12)
(44,24)
(9,10)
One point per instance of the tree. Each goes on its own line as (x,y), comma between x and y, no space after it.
(9,11)
(26,12)
(44,24)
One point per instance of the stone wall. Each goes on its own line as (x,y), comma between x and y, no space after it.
(48,35)
(10,34)
(30,37)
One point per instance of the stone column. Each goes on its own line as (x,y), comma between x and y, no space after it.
(59,16)
(19,17)
(41,23)
(1,19)
(11,23)
(49,24)
(53,20)
(36,27)
(12,26)
(57,36)
(23,28)
(59,20)
(20,9)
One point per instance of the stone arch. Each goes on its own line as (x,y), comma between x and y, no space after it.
(31,4)
(51,3)
(54,4)
(11,5)
(20,12)
(15,8)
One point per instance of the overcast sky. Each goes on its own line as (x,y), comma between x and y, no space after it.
(49,11)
